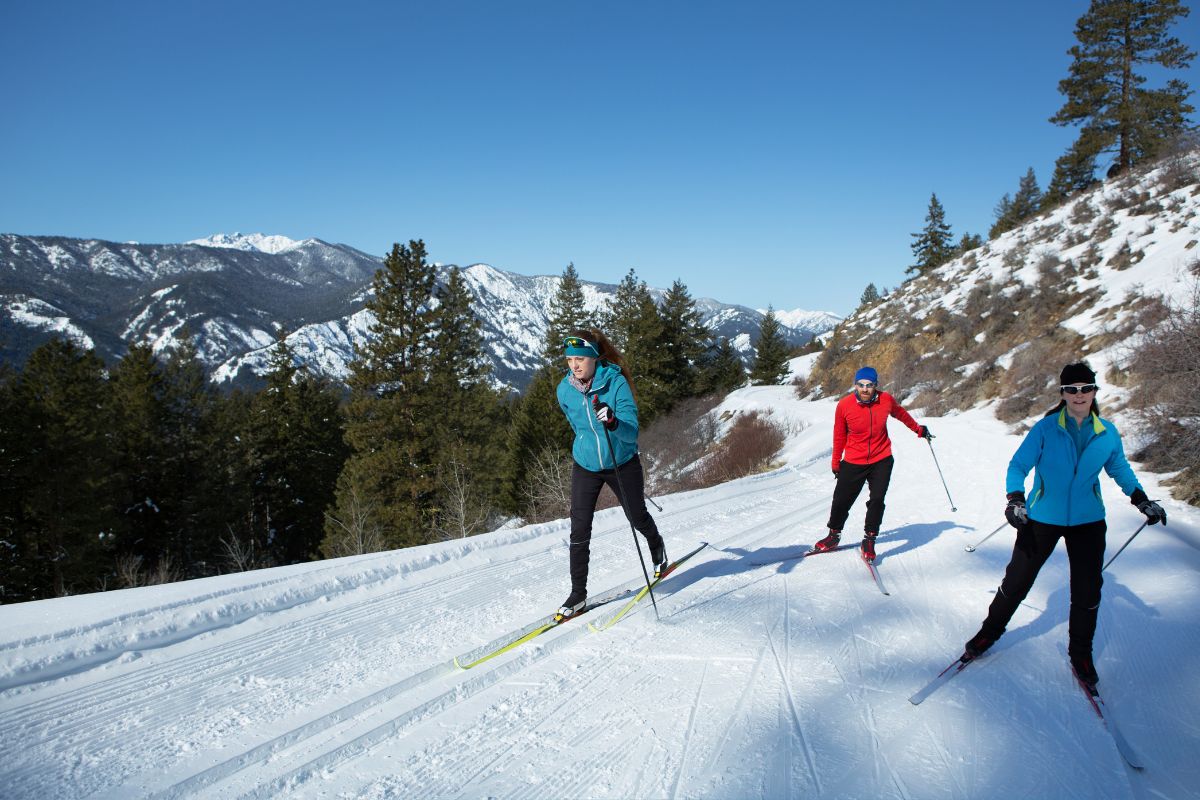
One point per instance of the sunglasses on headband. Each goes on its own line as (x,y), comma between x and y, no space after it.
(579,343)
(1088,389)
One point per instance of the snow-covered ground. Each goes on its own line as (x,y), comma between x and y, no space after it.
(786,679)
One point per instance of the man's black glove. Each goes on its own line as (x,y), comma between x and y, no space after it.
(1015,511)
(1153,511)
(604,414)
(924,432)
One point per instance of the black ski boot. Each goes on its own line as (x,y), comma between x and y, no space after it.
(658,554)
(575,602)
(1085,669)
(978,644)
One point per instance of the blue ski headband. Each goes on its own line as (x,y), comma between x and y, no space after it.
(576,346)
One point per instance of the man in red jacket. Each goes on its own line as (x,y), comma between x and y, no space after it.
(860,431)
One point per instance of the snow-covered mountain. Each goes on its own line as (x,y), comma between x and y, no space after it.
(250,241)
(233,292)
(764,677)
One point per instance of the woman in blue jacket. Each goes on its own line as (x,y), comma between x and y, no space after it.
(1066,450)
(596,395)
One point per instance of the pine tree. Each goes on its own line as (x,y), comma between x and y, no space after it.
(933,245)
(294,451)
(684,341)
(635,327)
(21,576)
(469,441)
(1004,217)
(1014,211)
(967,243)
(567,312)
(67,514)
(142,456)
(388,484)
(1106,96)
(538,426)
(771,353)
(1028,199)
(870,296)
(193,442)
(722,371)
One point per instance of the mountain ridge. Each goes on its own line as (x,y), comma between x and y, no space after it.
(233,292)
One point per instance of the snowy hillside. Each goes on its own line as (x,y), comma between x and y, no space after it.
(1082,279)
(763,678)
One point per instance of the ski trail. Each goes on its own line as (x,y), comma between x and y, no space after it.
(688,733)
(743,699)
(809,758)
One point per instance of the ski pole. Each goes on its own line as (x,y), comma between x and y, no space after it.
(971,547)
(650,500)
(1130,539)
(940,475)
(625,508)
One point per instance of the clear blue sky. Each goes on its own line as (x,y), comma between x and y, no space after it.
(764,152)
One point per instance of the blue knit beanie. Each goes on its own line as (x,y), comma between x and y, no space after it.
(866,374)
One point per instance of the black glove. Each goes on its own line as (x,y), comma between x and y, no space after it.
(1015,511)
(604,414)
(1153,511)
(924,432)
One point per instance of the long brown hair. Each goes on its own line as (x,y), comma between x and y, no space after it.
(608,352)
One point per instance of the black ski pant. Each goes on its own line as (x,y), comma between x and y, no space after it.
(1085,553)
(585,490)
(850,480)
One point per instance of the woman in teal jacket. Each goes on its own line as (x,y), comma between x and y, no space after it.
(596,395)
(1066,450)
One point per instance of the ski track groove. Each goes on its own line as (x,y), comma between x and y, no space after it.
(285,652)
(110,702)
(688,733)
(809,758)
(331,758)
(743,699)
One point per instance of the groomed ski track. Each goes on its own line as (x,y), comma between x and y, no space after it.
(780,680)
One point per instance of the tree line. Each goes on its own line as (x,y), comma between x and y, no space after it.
(144,472)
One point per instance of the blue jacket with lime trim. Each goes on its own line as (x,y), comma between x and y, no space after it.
(590,449)
(1066,483)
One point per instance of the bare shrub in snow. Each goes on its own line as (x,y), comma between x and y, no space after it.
(676,441)
(548,486)
(1027,387)
(1083,212)
(357,533)
(1164,364)
(750,446)
(463,507)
